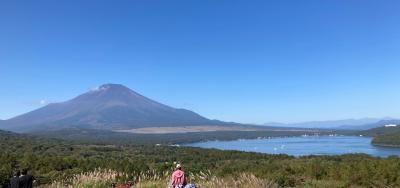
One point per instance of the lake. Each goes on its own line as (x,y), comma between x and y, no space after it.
(305,145)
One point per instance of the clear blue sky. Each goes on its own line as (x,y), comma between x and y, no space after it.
(244,61)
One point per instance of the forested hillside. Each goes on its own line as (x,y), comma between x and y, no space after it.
(385,136)
(390,140)
(380,131)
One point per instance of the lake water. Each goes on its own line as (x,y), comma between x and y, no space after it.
(307,145)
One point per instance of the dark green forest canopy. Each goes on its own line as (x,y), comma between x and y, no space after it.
(50,159)
(389,140)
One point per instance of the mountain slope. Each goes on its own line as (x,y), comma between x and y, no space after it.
(111,106)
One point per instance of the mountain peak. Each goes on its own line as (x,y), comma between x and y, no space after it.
(111,93)
(116,90)
(109,106)
(111,86)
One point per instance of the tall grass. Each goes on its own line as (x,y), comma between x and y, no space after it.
(101,178)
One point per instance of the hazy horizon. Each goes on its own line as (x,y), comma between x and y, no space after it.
(244,62)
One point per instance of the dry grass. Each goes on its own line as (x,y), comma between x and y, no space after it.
(104,178)
(243,181)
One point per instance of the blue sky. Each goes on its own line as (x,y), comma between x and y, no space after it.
(244,61)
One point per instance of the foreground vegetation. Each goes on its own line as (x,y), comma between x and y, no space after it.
(104,178)
(55,162)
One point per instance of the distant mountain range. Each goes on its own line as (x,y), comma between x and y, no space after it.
(381,130)
(347,124)
(110,106)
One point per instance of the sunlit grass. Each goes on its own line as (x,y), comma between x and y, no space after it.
(104,178)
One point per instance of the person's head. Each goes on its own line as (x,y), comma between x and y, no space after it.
(178,167)
(24,172)
(17,173)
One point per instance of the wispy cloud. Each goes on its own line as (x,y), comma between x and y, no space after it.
(95,88)
(43,102)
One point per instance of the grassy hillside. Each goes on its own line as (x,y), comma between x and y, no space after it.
(56,160)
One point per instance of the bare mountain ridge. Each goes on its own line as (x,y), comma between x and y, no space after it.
(111,106)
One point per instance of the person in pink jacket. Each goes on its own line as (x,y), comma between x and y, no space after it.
(178,179)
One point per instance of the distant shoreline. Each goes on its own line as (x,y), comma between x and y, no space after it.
(204,128)
(385,145)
